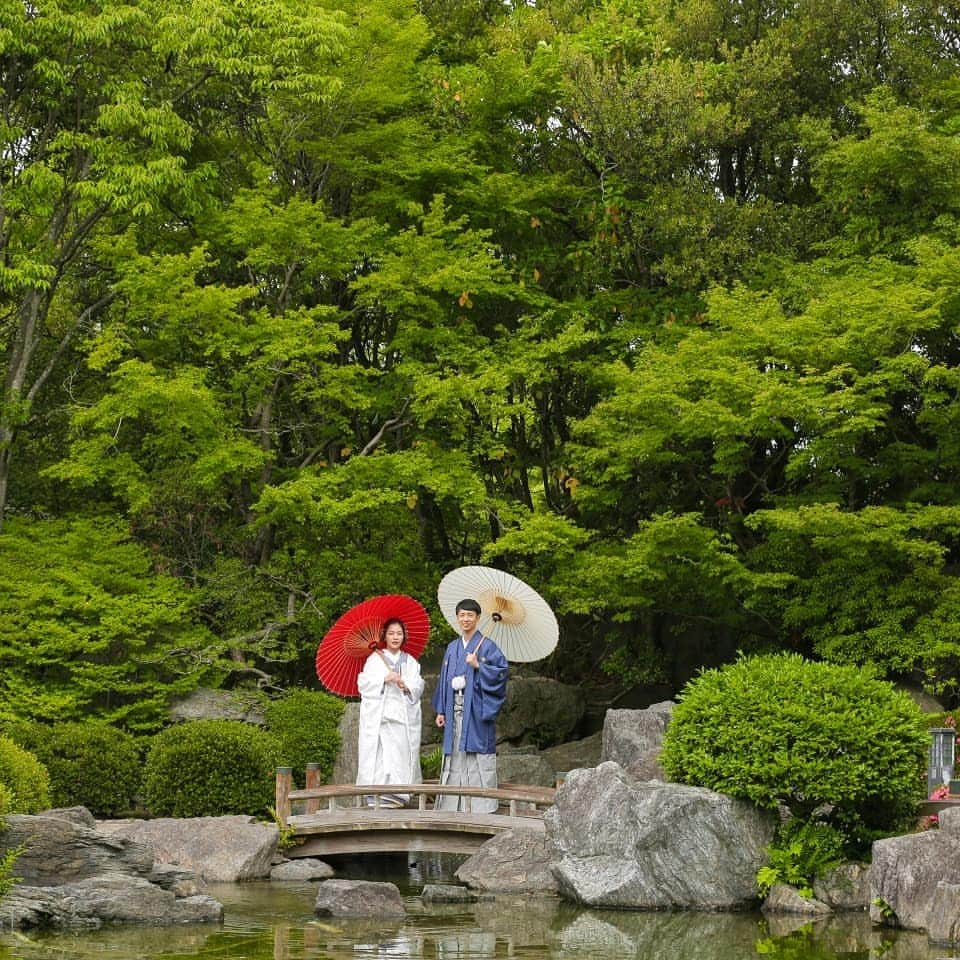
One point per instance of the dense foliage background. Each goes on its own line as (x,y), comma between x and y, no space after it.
(655,305)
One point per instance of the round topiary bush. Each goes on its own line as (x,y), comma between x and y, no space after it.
(779,729)
(306,724)
(209,768)
(25,777)
(91,764)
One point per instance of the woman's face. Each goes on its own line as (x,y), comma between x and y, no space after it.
(394,637)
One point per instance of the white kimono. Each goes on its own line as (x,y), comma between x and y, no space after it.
(388,750)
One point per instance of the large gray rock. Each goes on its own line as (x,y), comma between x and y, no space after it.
(71,875)
(539,710)
(112,899)
(904,874)
(633,738)
(57,850)
(523,765)
(345,766)
(654,846)
(575,754)
(943,919)
(845,887)
(227,849)
(783,898)
(516,861)
(358,898)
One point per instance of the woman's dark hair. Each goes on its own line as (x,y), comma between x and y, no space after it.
(468,604)
(387,625)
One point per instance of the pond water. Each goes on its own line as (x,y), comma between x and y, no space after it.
(275,921)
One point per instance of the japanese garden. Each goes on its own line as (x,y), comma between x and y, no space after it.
(655,306)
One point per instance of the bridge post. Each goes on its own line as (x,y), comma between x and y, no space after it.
(312,780)
(284,783)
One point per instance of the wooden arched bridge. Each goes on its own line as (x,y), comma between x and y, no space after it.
(333,819)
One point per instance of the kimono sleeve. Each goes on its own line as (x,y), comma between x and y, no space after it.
(370,678)
(492,680)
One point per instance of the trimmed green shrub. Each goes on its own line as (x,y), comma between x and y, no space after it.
(779,729)
(25,777)
(209,768)
(306,724)
(91,764)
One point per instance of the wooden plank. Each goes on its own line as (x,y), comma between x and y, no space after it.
(410,841)
(538,795)
(349,820)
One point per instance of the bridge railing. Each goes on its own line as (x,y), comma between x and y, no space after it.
(520,800)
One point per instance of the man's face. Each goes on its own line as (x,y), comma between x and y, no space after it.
(468,621)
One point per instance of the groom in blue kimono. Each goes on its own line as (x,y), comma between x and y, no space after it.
(469,695)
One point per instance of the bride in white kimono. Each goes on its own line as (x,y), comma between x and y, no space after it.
(390,684)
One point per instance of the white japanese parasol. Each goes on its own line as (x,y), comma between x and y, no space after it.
(514,615)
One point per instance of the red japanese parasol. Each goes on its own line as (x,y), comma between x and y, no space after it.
(347,644)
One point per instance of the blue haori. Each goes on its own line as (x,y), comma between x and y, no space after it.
(469,733)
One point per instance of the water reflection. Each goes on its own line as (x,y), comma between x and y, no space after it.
(275,922)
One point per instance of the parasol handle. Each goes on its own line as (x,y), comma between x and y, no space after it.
(497,617)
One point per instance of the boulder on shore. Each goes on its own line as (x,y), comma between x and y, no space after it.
(516,861)
(58,850)
(104,899)
(618,843)
(225,849)
(75,876)
(905,872)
